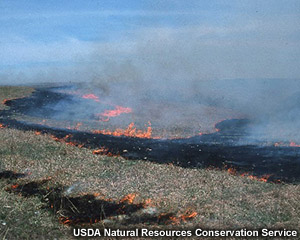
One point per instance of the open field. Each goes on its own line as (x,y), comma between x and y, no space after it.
(221,200)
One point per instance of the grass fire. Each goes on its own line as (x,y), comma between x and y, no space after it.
(83,176)
(168,117)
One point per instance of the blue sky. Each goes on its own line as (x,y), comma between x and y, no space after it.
(199,39)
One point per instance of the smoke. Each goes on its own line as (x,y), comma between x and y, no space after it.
(175,77)
(271,104)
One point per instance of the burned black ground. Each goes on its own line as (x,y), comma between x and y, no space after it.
(222,149)
(86,209)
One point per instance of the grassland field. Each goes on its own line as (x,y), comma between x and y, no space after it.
(221,200)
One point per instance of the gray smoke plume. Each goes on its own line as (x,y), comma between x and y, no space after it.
(176,77)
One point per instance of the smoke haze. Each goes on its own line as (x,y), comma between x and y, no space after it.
(190,63)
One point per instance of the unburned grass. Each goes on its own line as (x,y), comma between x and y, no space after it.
(221,200)
(10,92)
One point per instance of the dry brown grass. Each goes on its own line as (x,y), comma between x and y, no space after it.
(9,92)
(220,199)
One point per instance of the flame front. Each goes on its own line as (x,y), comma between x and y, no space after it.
(263,178)
(14,186)
(114,113)
(187,215)
(105,151)
(5,101)
(130,131)
(128,198)
(293,144)
(91,96)
(282,144)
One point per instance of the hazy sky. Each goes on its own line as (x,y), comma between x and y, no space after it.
(210,39)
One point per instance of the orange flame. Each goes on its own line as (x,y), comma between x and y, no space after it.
(114,113)
(91,96)
(65,220)
(5,101)
(55,138)
(130,131)
(128,198)
(14,186)
(264,178)
(96,194)
(148,202)
(105,151)
(293,144)
(1,125)
(261,179)
(231,171)
(66,140)
(175,220)
(188,215)
(108,113)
